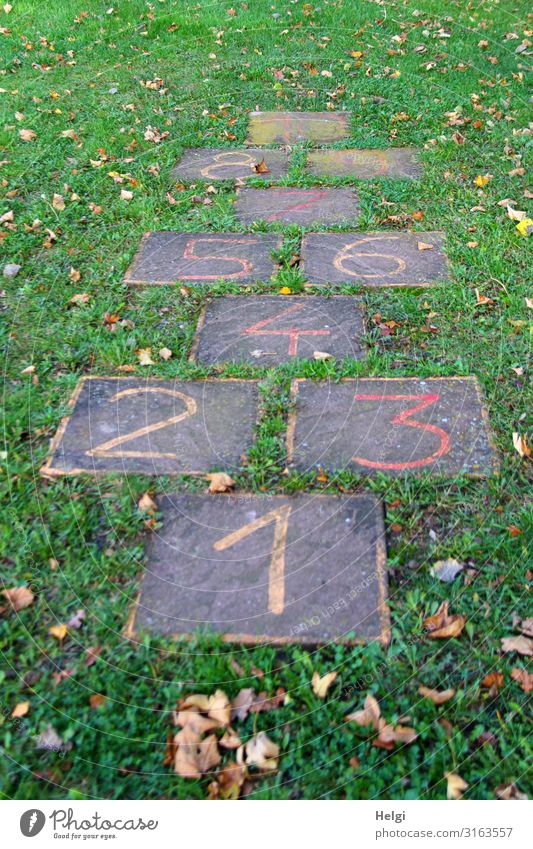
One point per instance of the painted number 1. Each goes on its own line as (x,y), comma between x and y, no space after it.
(276,572)
(406,419)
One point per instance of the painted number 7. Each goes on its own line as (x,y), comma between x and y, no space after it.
(276,572)
(406,419)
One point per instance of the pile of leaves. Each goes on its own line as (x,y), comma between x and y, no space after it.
(205,728)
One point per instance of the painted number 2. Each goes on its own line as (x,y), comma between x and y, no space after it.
(112,448)
(276,572)
(406,419)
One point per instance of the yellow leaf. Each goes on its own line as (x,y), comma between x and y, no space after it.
(322,685)
(525,227)
(58,631)
(456,785)
(285,290)
(482,180)
(20,709)
(145,356)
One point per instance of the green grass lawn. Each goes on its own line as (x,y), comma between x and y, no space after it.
(411,73)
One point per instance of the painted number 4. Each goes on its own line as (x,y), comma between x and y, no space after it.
(406,419)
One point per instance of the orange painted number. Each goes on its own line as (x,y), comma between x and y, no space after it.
(245,266)
(276,572)
(111,447)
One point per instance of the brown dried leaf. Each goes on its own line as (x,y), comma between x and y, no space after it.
(261,167)
(438,697)
(369,716)
(187,744)
(524,678)
(242,703)
(147,504)
(219,482)
(443,624)
(208,755)
(510,791)
(523,645)
(19,597)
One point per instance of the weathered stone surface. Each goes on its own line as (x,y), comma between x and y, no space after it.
(374,259)
(268,330)
(155,427)
(199,258)
(307,569)
(297,206)
(208,164)
(413,425)
(291,127)
(365,164)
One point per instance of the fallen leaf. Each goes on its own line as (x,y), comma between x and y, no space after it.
(50,740)
(369,715)
(229,781)
(96,700)
(146,504)
(11,269)
(520,445)
(187,743)
(525,227)
(510,791)
(58,631)
(80,298)
(523,677)
(208,754)
(77,620)
(438,697)
(456,785)
(242,703)
(262,752)
(230,740)
(482,180)
(285,290)
(526,626)
(19,597)
(126,195)
(322,356)
(322,684)
(446,570)
(516,214)
(494,680)
(165,353)
(219,482)
(522,645)
(443,624)
(145,357)
(58,202)
(219,708)
(27,135)
(74,275)
(261,167)
(424,246)
(482,299)
(20,709)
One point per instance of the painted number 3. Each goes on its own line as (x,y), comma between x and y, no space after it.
(406,419)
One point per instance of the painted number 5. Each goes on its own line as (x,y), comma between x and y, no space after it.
(406,419)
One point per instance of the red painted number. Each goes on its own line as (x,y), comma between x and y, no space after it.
(245,266)
(406,419)
(293,333)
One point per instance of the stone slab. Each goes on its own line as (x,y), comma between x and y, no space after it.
(292,127)
(374,259)
(273,329)
(155,427)
(304,569)
(365,164)
(297,206)
(201,163)
(200,258)
(396,426)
